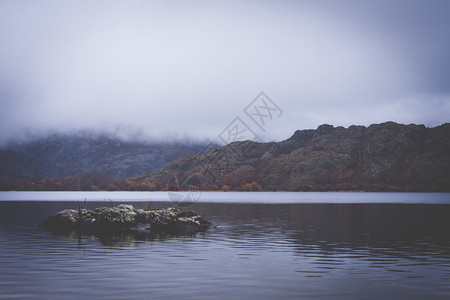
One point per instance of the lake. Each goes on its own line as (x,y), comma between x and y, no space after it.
(265,246)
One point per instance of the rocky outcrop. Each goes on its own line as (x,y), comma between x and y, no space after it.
(126,218)
(381,157)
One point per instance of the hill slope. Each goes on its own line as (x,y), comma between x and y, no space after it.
(381,157)
(77,155)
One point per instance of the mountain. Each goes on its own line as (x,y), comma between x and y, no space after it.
(78,155)
(381,157)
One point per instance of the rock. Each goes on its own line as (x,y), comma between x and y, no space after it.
(126,218)
(120,216)
(381,157)
(64,219)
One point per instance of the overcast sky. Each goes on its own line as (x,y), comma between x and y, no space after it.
(189,68)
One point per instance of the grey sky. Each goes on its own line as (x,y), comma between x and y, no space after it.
(188,68)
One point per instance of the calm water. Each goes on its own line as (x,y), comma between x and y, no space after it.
(271,250)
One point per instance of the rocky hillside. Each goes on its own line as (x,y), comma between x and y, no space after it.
(68,155)
(381,157)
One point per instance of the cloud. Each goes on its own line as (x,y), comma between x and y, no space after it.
(187,68)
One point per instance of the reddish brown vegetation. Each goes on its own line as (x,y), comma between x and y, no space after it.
(91,182)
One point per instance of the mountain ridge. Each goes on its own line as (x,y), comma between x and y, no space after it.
(381,157)
(63,155)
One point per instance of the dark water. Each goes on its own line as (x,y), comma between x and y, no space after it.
(258,251)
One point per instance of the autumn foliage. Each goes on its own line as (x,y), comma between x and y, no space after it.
(91,182)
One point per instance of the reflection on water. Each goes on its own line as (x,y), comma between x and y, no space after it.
(257,251)
(122,239)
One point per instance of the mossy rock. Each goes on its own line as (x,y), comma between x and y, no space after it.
(117,216)
(126,217)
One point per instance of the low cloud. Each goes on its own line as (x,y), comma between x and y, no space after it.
(188,68)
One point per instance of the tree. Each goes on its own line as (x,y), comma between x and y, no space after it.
(214,187)
(172,187)
(255,186)
(112,187)
(246,187)
(304,187)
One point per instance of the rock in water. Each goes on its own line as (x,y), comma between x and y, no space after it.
(126,217)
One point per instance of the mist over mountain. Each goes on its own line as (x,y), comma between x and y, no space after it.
(381,157)
(164,67)
(63,155)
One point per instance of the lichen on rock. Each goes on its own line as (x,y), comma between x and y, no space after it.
(126,217)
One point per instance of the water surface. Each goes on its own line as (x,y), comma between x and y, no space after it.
(316,250)
(234,197)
